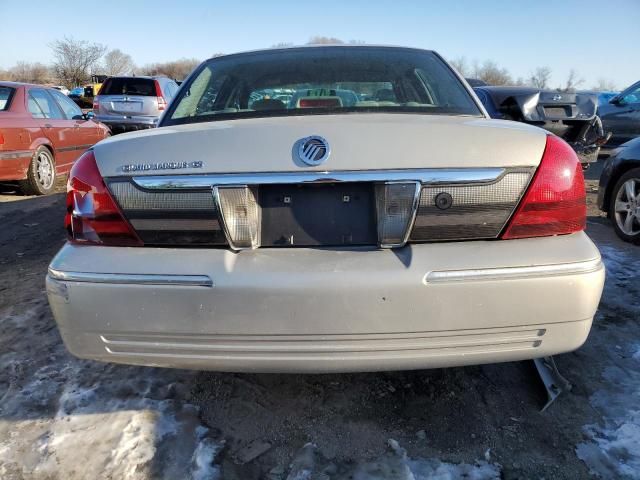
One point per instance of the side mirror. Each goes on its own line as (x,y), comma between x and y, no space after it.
(617,100)
(89,115)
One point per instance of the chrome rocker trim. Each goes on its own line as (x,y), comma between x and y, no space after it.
(447,276)
(132,278)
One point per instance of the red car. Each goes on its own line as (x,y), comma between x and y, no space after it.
(42,132)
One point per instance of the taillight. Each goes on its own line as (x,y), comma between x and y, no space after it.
(96,106)
(162,103)
(1,139)
(555,202)
(92,214)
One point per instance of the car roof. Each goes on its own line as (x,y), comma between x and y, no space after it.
(23,84)
(321,46)
(146,77)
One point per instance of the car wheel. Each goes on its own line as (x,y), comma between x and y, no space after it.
(41,176)
(625,206)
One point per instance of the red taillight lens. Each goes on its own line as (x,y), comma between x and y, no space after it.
(162,103)
(92,215)
(555,202)
(96,106)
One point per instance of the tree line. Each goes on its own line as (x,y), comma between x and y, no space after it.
(74,61)
(540,77)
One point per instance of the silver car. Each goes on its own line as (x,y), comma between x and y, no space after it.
(133,103)
(407,230)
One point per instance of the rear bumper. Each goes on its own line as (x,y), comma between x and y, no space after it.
(14,164)
(121,124)
(306,310)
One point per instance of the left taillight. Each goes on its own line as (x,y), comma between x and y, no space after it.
(92,215)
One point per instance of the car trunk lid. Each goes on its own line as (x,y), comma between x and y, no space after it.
(357,142)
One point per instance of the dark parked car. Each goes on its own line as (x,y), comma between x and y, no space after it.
(619,192)
(42,134)
(621,116)
(603,96)
(571,116)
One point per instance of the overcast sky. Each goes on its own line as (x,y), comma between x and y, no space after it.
(599,39)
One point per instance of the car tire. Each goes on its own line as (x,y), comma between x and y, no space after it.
(41,176)
(626,196)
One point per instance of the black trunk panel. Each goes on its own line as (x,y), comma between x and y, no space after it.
(318,215)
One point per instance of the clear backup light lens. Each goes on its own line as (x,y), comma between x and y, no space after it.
(92,215)
(396,205)
(240,215)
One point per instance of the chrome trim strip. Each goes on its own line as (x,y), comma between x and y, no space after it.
(510,273)
(132,278)
(425,176)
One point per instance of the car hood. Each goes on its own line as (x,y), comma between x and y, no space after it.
(357,142)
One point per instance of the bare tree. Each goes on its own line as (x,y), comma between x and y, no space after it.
(540,77)
(282,45)
(75,59)
(319,40)
(30,73)
(573,81)
(605,84)
(460,64)
(218,54)
(178,69)
(490,73)
(116,62)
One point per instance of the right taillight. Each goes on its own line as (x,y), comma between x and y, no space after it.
(555,202)
(92,215)
(162,103)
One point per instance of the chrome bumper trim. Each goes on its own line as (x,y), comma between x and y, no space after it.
(513,272)
(132,278)
(425,176)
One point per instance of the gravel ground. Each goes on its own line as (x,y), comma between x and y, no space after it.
(64,418)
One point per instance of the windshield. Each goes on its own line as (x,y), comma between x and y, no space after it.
(5,97)
(319,80)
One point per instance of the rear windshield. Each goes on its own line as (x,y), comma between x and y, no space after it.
(5,97)
(145,87)
(320,80)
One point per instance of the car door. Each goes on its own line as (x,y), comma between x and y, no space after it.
(57,128)
(622,115)
(86,131)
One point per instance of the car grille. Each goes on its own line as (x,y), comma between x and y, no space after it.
(329,213)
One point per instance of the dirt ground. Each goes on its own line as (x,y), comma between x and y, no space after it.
(64,418)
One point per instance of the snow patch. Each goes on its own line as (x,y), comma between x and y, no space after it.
(394,465)
(613,450)
(620,291)
(74,419)
(204,457)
